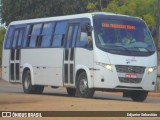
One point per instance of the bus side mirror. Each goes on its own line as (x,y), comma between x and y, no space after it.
(86,28)
(89,28)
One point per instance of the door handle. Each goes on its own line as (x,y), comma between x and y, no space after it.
(38,67)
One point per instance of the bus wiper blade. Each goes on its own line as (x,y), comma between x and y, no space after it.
(121,47)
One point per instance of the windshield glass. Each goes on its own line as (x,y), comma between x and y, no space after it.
(123,37)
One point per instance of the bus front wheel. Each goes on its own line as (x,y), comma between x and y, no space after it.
(138,95)
(82,86)
(27,84)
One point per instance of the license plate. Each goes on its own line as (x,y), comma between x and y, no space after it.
(131,75)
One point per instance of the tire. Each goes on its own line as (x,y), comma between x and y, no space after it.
(82,86)
(38,89)
(71,91)
(27,84)
(139,96)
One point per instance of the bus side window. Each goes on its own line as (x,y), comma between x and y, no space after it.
(8,39)
(59,34)
(85,37)
(15,37)
(25,42)
(35,32)
(47,34)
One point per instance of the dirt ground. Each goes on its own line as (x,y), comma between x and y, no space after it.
(12,98)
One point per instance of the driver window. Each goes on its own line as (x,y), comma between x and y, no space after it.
(85,36)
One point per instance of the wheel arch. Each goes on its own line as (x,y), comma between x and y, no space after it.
(30,68)
(82,68)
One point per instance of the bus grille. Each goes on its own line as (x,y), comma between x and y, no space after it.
(130,69)
(130,80)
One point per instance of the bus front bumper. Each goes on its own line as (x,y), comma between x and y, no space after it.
(105,78)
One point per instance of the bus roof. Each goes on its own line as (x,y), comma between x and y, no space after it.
(66,17)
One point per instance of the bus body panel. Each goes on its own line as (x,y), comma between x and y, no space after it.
(84,60)
(28,67)
(5,60)
(111,78)
(5,65)
(147,61)
(45,73)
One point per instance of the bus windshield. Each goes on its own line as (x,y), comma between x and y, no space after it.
(125,37)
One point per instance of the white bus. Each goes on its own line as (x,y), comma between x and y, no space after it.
(84,53)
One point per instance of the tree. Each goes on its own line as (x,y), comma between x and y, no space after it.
(12,10)
(75,6)
(97,5)
(2,34)
(144,9)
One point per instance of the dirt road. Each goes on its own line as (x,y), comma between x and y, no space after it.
(12,98)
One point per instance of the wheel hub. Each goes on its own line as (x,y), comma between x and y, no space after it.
(83,85)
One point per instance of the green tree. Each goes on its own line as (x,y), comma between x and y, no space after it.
(145,9)
(75,6)
(97,5)
(2,34)
(12,10)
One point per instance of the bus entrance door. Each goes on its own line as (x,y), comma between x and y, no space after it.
(69,74)
(15,54)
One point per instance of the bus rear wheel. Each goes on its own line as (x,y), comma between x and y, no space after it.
(82,86)
(139,95)
(27,84)
(71,91)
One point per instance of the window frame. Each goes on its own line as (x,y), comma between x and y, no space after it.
(30,35)
(51,35)
(62,35)
(84,44)
(29,27)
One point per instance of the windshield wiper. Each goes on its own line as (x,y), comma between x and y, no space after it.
(120,47)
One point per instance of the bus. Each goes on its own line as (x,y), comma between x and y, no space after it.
(83,53)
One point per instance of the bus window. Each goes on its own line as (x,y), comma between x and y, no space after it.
(21,32)
(9,38)
(75,35)
(85,37)
(25,42)
(34,35)
(47,34)
(59,34)
(70,35)
(15,37)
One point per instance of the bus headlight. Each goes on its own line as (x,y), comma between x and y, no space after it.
(151,69)
(107,66)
